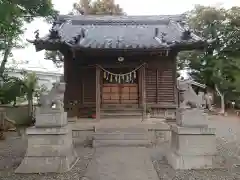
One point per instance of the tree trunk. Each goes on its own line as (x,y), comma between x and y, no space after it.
(30,107)
(5,57)
(222,105)
(222,111)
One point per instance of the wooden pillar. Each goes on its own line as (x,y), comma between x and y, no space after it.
(157,79)
(65,77)
(140,88)
(98,95)
(175,82)
(143,92)
(65,64)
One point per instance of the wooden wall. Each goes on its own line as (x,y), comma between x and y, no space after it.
(160,80)
(80,94)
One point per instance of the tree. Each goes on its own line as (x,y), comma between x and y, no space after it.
(218,65)
(11,88)
(14,88)
(30,82)
(56,57)
(39,90)
(98,7)
(13,15)
(87,7)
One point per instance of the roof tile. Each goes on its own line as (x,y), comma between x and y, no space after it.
(122,31)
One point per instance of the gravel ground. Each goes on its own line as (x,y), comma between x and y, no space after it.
(13,149)
(226,167)
(227,162)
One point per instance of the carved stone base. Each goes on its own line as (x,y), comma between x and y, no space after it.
(47,117)
(49,150)
(189,162)
(192,147)
(191,117)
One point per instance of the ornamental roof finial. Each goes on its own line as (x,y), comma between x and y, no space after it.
(36,34)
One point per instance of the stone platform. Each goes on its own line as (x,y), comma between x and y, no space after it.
(192,148)
(50,144)
(49,150)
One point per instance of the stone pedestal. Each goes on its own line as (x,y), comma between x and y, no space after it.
(193,143)
(50,118)
(50,147)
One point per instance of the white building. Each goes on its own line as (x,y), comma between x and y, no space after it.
(45,78)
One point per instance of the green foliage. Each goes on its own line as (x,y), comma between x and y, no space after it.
(13,15)
(26,88)
(30,82)
(98,7)
(39,90)
(11,88)
(87,7)
(56,57)
(218,65)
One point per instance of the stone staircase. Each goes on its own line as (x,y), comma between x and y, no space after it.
(119,111)
(121,137)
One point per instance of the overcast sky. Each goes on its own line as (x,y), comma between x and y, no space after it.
(131,7)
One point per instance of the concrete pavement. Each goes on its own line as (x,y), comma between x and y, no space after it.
(121,163)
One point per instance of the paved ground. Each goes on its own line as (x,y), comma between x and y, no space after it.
(227,127)
(121,163)
(228,137)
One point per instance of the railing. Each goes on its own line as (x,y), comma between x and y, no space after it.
(192,83)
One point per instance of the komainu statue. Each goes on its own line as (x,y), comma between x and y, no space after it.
(54,97)
(188,97)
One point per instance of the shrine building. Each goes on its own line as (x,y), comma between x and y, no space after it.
(118,65)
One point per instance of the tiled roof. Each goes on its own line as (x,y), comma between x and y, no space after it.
(119,32)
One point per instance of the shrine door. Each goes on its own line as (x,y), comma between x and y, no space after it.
(124,92)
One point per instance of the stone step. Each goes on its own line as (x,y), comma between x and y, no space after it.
(120,143)
(116,113)
(121,115)
(120,136)
(121,130)
(121,109)
(119,106)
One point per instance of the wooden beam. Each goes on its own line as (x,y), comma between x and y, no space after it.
(174,76)
(98,93)
(163,105)
(85,65)
(66,70)
(143,93)
(157,74)
(140,88)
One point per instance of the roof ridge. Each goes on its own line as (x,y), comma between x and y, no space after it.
(103,32)
(121,18)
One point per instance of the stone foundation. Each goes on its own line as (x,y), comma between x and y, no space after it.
(192,148)
(193,143)
(51,148)
(50,145)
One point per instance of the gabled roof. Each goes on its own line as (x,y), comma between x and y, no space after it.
(118,32)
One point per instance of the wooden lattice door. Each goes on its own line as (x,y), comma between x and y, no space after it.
(120,93)
(114,92)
